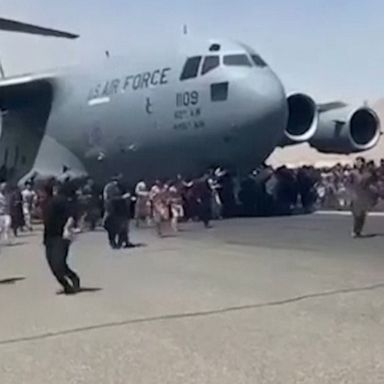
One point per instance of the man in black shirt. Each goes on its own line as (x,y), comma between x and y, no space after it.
(121,214)
(59,221)
(112,191)
(203,193)
(117,206)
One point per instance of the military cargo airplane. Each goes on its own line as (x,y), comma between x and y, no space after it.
(212,102)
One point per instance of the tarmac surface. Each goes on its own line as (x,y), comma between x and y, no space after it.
(279,300)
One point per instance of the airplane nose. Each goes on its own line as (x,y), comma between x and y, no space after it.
(262,112)
(269,99)
(264,107)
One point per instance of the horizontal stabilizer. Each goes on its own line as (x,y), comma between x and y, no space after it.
(17,26)
(330,106)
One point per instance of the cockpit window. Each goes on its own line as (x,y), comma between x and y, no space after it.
(259,62)
(210,63)
(191,68)
(237,60)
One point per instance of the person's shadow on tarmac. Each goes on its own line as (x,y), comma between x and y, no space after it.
(11,280)
(371,235)
(82,290)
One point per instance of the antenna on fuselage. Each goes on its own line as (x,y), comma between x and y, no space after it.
(185,29)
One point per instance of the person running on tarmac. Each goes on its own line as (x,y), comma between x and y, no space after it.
(92,204)
(203,193)
(5,216)
(17,215)
(217,206)
(111,192)
(121,214)
(58,218)
(176,206)
(29,199)
(142,205)
(363,194)
(159,199)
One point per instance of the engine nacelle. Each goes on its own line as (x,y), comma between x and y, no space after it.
(302,120)
(346,130)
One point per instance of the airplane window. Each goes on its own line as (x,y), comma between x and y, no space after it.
(219,91)
(191,68)
(259,62)
(210,63)
(237,60)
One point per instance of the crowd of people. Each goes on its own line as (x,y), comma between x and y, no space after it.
(334,188)
(72,206)
(216,195)
(16,209)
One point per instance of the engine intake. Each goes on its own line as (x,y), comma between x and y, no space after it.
(347,130)
(302,120)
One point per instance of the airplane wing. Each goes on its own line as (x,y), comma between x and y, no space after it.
(325,107)
(22,90)
(17,26)
(20,81)
(26,104)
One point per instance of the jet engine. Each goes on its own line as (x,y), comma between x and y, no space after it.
(302,120)
(346,130)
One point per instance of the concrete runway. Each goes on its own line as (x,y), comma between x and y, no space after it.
(281,300)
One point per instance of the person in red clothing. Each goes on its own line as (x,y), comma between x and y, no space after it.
(160,207)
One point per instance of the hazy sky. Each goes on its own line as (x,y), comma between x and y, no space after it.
(331,49)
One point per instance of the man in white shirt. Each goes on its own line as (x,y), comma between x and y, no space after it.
(29,198)
(5,217)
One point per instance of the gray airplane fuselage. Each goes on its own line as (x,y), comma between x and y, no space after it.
(138,117)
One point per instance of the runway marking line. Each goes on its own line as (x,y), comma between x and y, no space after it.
(189,315)
(347,213)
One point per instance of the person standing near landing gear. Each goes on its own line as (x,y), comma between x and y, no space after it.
(112,192)
(161,214)
(176,206)
(142,206)
(29,199)
(16,210)
(59,220)
(364,195)
(203,193)
(5,217)
(121,214)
